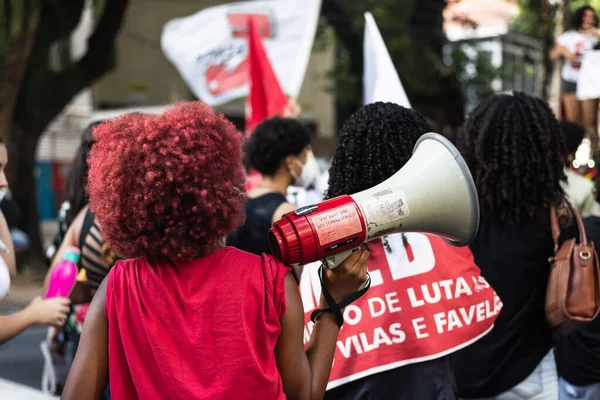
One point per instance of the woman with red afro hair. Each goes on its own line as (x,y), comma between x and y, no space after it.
(184,317)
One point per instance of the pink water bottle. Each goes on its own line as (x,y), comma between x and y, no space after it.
(64,276)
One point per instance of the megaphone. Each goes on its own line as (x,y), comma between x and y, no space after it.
(433,193)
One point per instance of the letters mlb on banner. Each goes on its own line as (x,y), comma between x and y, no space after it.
(427,299)
(210,48)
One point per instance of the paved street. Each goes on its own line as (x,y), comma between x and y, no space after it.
(21,364)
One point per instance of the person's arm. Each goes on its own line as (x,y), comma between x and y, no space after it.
(561,51)
(284,208)
(88,375)
(9,258)
(305,373)
(71,239)
(40,311)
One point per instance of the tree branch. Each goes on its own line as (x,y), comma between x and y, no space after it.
(340,20)
(45,94)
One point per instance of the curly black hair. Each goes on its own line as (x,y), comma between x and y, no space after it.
(272,141)
(76,186)
(513,146)
(577,18)
(374,143)
(572,135)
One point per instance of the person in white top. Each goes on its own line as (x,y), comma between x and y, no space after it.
(571,45)
(578,189)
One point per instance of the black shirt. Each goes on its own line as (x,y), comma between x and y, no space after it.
(429,380)
(514,260)
(252,236)
(578,354)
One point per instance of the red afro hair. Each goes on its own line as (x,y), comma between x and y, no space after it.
(169,186)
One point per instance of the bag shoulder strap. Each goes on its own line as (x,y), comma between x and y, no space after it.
(556,227)
(88,222)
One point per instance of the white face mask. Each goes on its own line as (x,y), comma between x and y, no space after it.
(307,177)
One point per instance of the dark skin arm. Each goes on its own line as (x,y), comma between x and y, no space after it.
(305,373)
(88,375)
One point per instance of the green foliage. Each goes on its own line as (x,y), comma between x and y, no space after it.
(420,68)
(529,20)
(17,18)
(575,4)
(475,72)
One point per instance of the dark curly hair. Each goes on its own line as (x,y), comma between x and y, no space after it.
(76,186)
(572,135)
(513,146)
(374,143)
(272,141)
(577,18)
(169,186)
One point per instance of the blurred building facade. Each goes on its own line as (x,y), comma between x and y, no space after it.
(145,80)
(483,27)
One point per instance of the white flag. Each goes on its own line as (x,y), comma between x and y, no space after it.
(588,83)
(210,48)
(380,80)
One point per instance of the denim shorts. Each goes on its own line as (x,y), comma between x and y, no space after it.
(572,392)
(541,384)
(567,87)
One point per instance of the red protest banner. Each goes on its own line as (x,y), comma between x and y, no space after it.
(427,299)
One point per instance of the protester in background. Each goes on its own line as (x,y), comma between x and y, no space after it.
(373,145)
(513,146)
(300,196)
(578,353)
(279,149)
(577,188)
(572,44)
(48,311)
(76,193)
(184,316)
(97,258)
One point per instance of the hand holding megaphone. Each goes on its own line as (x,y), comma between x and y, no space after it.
(433,193)
(350,277)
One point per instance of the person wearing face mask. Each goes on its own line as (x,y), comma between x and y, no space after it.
(279,149)
(40,311)
(314,193)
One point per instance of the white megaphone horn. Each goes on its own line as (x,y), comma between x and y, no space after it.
(433,193)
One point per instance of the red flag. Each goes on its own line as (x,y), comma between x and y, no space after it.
(266,99)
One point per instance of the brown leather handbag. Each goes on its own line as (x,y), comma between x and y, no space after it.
(573,294)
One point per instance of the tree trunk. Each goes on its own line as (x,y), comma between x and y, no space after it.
(546,64)
(45,92)
(444,102)
(23,188)
(554,96)
(16,57)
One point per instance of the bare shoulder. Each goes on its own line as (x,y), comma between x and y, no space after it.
(77,225)
(284,208)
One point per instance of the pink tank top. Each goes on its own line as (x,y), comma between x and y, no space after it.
(203,329)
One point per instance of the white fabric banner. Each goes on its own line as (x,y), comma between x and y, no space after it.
(380,80)
(210,48)
(588,83)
